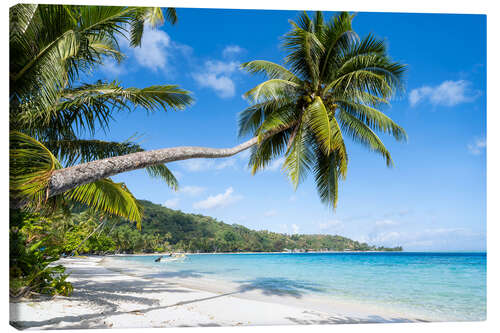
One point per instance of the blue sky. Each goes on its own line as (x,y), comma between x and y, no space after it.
(433,199)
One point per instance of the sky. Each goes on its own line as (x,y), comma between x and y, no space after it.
(433,199)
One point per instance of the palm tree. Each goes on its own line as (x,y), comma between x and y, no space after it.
(50,108)
(333,87)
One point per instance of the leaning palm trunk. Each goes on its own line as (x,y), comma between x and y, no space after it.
(66,179)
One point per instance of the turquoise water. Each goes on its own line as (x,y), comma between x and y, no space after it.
(440,286)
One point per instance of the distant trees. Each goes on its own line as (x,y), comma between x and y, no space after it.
(165,229)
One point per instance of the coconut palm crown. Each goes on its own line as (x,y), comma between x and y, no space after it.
(332,87)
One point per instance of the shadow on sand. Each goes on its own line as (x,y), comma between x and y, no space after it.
(106,296)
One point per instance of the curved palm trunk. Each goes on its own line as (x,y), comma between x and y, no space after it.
(63,180)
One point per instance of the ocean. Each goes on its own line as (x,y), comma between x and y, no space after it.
(436,286)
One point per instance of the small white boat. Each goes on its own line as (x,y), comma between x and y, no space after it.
(173,257)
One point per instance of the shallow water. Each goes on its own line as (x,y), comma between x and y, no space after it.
(438,286)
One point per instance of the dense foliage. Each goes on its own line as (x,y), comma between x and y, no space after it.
(31,257)
(164,229)
(192,232)
(52,112)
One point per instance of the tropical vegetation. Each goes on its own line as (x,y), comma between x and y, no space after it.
(52,114)
(334,87)
(163,229)
(331,86)
(53,111)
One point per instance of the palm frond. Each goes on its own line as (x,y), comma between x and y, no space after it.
(319,121)
(250,119)
(327,175)
(374,119)
(299,159)
(363,134)
(152,16)
(90,106)
(162,171)
(271,89)
(269,149)
(305,51)
(271,70)
(107,196)
(337,38)
(71,151)
(31,166)
(171,15)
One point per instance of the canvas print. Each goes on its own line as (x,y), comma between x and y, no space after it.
(175,167)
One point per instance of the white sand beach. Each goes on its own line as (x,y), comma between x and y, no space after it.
(107,295)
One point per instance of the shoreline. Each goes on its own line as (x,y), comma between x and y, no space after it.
(193,253)
(108,294)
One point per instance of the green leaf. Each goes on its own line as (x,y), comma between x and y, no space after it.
(319,121)
(364,135)
(107,196)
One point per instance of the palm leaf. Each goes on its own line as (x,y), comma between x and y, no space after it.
(31,166)
(272,70)
(268,150)
(319,121)
(327,174)
(271,89)
(363,134)
(107,196)
(298,158)
(162,171)
(373,118)
(250,119)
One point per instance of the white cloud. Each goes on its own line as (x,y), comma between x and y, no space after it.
(220,67)
(293,198)
(217,76)
(283,228)
(477,146)
(171,203)
(231,50)
(276,164)
(111,67)
(219,200)
(295,229)
(400,213)
(435,238)
(199,165)
(225,164)
(244,155)
(153,52)
(270,213)
(223,85)
(192,190)
(391,237)
(332,226)
(384,223)
(448,93)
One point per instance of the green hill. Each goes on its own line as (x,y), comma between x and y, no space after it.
(173,229)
